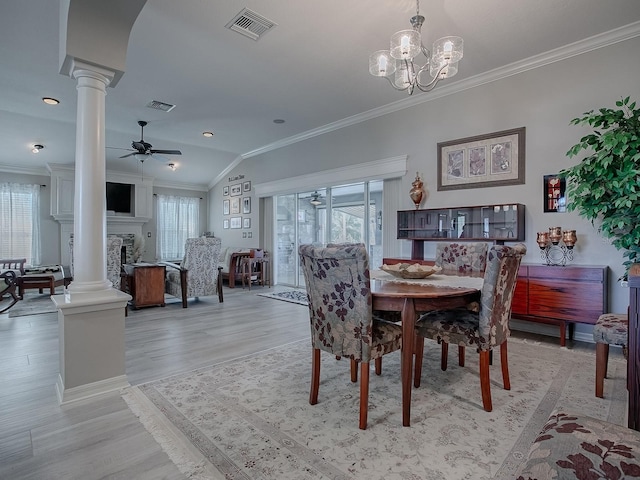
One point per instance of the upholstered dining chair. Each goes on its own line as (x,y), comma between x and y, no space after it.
(198,274)
(464,257)
(340,312)
(114,259)
(485,329)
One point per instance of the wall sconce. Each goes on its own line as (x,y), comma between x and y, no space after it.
(36,148)
(379,220)
(556,246)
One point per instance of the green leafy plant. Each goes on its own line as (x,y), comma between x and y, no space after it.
(605,185)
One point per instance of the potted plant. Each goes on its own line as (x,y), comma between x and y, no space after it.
(605,185)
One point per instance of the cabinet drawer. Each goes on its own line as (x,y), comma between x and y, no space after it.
(577,273)
(573,301)
(520,302)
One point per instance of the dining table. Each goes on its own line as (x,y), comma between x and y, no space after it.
(412,297)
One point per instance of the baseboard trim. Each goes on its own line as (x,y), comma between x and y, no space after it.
(82,392)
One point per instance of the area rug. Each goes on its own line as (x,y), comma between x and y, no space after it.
(251,419)
(33,304)
(293,296)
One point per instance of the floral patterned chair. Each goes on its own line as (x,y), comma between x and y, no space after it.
(574,447)
(610,329)
(485,329)
(342,322)
(464,257)
(198,275)
(114,259)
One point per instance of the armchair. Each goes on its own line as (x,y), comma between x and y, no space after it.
(198,275)
(114,259)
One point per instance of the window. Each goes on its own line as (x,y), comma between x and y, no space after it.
(20,221)
(178,218)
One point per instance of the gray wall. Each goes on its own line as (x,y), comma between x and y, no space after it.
(543,100)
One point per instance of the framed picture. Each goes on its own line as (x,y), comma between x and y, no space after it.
(553,194)
(236,190)
(489,160)
(246,187)
(246,222)
(225,191)
(225,223)
(235,206)
(225,207)
(236,222)
(246,204)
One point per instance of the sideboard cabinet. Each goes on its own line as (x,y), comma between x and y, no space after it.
(560,295)
(633,365)
(493,223)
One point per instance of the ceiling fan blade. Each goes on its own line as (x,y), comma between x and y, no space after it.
(128,155)
(119,148)
(167,152)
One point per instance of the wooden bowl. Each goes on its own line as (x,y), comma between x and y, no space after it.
(411,271)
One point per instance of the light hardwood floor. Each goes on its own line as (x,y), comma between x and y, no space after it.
(100,438)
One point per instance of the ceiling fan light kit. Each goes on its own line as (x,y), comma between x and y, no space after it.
(144,150)
(399,66)
(315,199)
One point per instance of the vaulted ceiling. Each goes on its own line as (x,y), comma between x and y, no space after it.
(310,70)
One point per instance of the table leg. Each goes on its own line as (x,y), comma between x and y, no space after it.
(408,338)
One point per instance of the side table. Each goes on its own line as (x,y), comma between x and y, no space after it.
(255,269)
(145,283)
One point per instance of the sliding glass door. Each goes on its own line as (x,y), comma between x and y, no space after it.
(327,215)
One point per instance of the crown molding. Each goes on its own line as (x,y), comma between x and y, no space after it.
(557,55)
(24,170)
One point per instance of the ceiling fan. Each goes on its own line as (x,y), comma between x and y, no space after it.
(142,149)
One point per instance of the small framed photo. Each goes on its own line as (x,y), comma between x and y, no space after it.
(235,206)
(244,234)
(225,191)
(236,190)
(249,234)
(236,222)
(246,205)
(225,223)
(553,195)
(225,207)
(246,222)
(246,187)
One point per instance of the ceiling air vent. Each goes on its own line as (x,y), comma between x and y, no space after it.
(156,105)
(250,24)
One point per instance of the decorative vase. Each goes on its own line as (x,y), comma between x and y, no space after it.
(416,191)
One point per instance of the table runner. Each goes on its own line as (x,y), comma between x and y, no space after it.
(438,280)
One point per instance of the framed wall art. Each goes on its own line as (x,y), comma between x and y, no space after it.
(489,160)
(235,206)
(246,205)
(236,190)
(225,207)
(225,191)
(553,194)
(246,222)
(246,187)
(225,223)
(236,222)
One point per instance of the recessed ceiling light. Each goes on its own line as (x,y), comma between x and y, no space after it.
(172,166)
(50,101)
(278,120)
(207,134)
(36,148)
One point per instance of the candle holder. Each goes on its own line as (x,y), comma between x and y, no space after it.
(556,245)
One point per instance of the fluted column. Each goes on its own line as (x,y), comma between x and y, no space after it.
(90,228)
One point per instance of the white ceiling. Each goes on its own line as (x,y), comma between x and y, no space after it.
(310,70)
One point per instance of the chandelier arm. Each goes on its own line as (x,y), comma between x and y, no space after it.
(432,84)
(394,85)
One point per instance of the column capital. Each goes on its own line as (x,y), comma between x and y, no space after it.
(78,69)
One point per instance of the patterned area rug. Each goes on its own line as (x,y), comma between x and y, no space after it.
(33,304)
(251,419)
(293,296)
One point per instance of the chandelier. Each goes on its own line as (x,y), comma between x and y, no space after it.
(399,64)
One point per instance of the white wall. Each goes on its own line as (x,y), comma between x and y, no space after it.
(543,100)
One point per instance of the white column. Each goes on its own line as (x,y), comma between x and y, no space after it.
(89,231)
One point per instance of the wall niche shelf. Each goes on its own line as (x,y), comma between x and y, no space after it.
(489,223)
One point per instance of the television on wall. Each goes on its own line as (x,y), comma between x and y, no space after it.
(119,197)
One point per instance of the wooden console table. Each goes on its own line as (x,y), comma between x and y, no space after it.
(559,295)
(145,283)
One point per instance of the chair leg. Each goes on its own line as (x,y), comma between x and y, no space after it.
(461,355)
(315,376)
(354,371)
(417,369)
(378,366)
(602,358)
(485,381)
(219,287)
(505,366)
(364,394)
(444,355)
